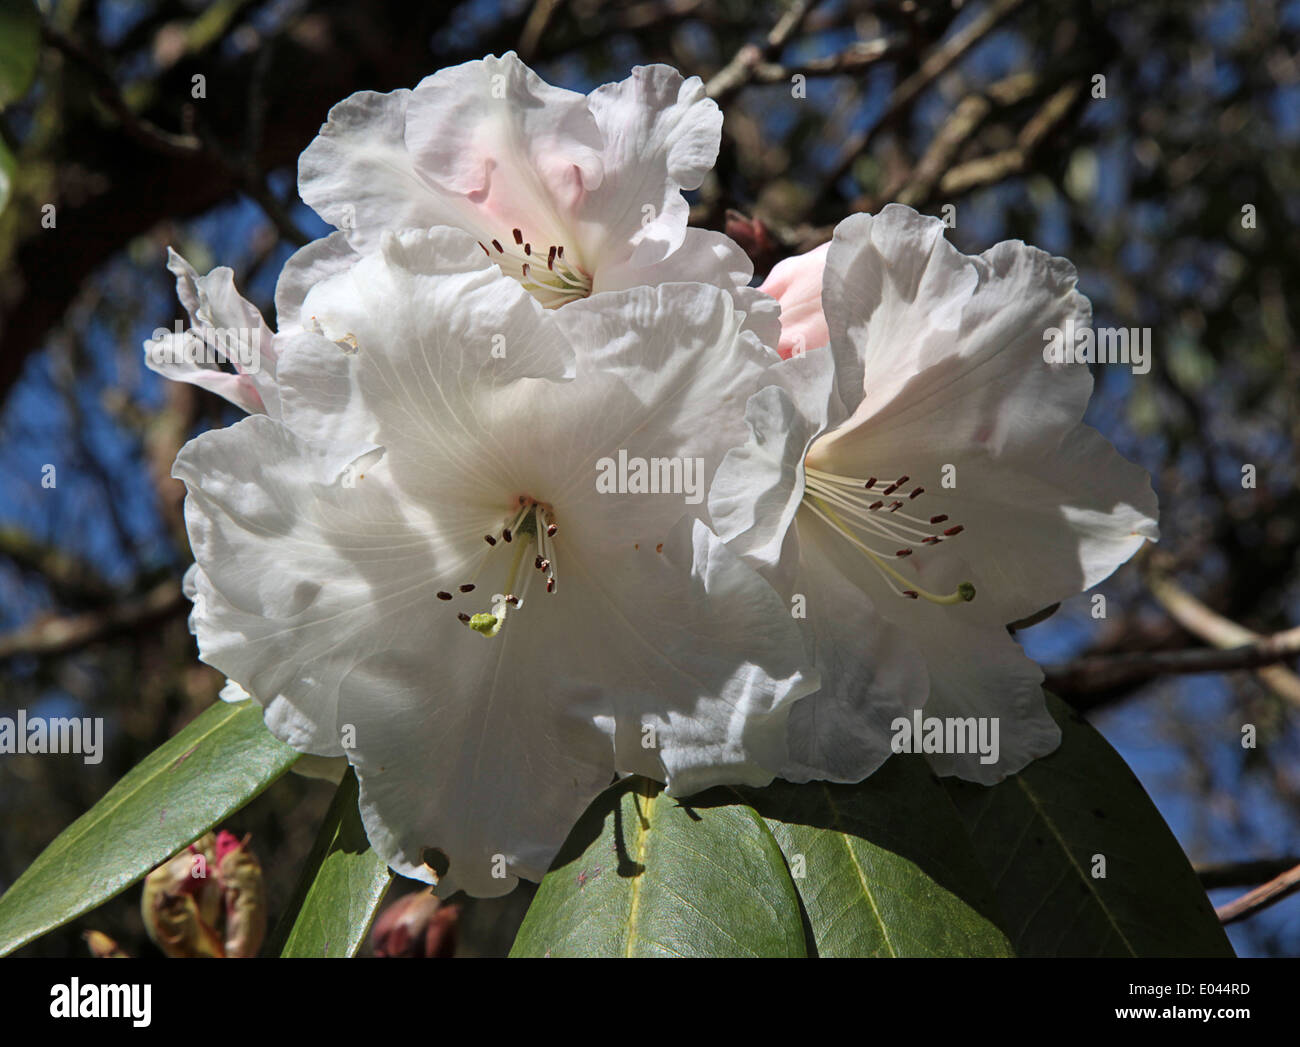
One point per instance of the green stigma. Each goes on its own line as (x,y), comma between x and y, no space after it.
(487,624)
(966,591)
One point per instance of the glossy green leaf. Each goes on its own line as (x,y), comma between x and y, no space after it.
(213,767)
(1042,834)
(340,889)
(643,874)
(20,43)
(884,867)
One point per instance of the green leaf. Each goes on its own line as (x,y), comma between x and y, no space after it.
(884,867)
(643,874)
(340,889)
(20,42)
(1038,834)
(214,766)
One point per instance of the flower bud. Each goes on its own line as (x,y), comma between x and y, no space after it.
(102,947)
(416,926)
(207,901)
(242,894)
(182,903)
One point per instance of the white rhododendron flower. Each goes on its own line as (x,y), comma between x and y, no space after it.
(422,563)
(950,488)
(570,194)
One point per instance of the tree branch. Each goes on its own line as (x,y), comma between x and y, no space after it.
(1261,897)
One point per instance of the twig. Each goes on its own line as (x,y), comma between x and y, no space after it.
(1100,672)
(1216,875)
(1261,897)
(538,19)
(60,635)
(935,64)
(736,73)
(853,59)
(1214,629)
(143,131)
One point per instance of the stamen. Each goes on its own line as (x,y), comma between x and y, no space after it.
(841,503)
(561,282)
(524,529)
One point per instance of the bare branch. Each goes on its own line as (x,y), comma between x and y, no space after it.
(1214,629)
(141,130)
(52,636)
(737,73)
(1260,898)
(1103,671)
(1214,875)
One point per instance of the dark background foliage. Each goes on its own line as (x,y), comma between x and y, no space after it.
(988,107)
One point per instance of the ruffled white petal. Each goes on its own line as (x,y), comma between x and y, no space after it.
(659,135)
(757,491)
(228,348)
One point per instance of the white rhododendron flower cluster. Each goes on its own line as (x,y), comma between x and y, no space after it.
(536,491)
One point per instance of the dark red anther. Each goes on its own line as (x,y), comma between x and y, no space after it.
(550,585)
(939,519)
(890,489)
(497,245)
(505,533)
(902,480)
(931,540)
(468,587)
(489,539)
(519,236)
(550,258)
(463,617)
(551,530)
(911,594)
(871,483)
(919,490)
(954,530)
(895,507)
(903,552)
(444,596)
(875,505)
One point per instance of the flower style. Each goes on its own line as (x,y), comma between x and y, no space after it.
(411,564)
(942,481)
(570,194)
